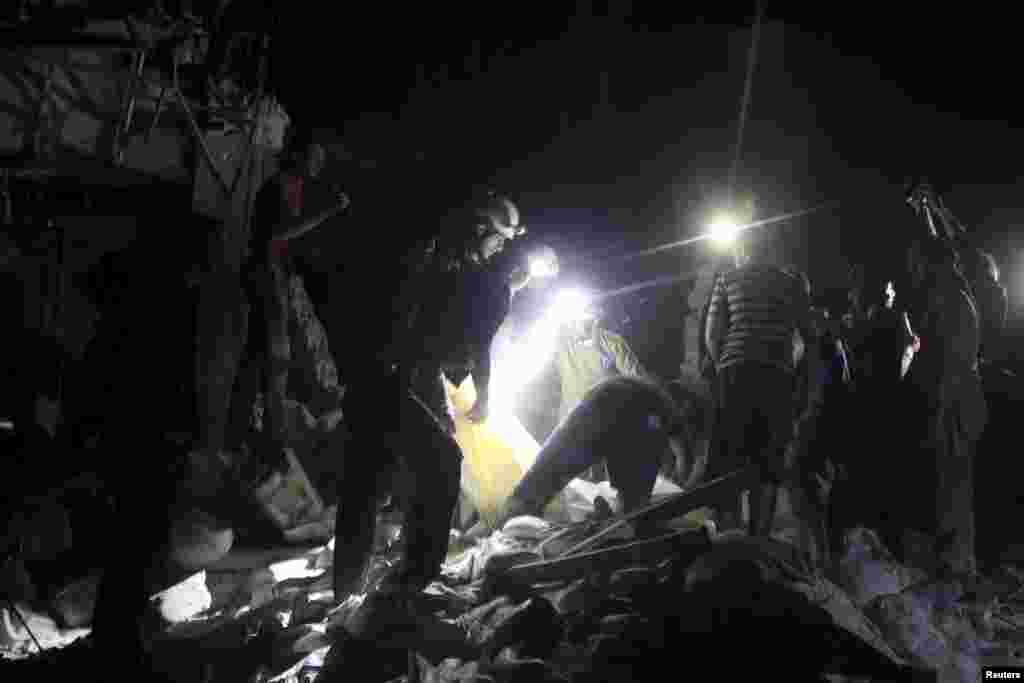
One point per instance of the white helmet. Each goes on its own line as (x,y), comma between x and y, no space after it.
(501,216)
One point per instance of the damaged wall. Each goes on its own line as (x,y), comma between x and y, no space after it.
(66,103)
(63,110)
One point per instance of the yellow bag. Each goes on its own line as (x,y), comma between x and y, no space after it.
(491,466)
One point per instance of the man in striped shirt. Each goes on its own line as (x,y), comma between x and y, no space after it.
(754,313)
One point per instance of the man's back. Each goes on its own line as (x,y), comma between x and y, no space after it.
(756,309)
(617,405)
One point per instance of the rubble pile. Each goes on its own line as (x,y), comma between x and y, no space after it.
(586,601)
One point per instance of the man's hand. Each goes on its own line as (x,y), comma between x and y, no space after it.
(478,413)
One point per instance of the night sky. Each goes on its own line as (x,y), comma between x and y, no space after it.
(845,106)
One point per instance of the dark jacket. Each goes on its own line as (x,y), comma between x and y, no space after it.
(419,312)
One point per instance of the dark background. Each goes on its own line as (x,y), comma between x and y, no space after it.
(846,104)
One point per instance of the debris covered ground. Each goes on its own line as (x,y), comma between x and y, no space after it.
(604,599)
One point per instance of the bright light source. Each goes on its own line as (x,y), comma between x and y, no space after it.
(540,267)
(724,229)
(525,359)
(571,304)
(543,262)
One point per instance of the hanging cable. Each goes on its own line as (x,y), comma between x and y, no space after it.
(745,101)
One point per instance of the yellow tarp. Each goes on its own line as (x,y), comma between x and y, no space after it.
(495,454)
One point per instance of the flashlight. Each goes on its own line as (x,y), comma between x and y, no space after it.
(723,230)
(540,268)
(572,304)
(543,262)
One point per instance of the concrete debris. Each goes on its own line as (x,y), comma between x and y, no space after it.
(23,627)
(196,541)
(867,569)
(547,600)
(507,610)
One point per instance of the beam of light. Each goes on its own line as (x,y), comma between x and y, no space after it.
(523,360)
(739,229)
(646,284)
(543,264)
(570,304)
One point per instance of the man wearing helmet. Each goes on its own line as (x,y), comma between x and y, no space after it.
(435,309)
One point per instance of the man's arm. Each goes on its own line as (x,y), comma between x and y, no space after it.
(481,370)
(297,227)
(718,318)
(481,373)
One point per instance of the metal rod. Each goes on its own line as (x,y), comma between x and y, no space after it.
(17,613)
(678,505)
(207,155)
(745,100)
(130,109)
(156,114)
(928,219)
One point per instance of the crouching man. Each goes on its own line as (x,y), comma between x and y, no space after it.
(629,423)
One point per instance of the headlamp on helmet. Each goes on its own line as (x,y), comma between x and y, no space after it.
(501,216)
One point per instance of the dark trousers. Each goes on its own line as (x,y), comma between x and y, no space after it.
(137,539)
(755,418)
(955,428)
(387,424)
(632,454)
(262,367)
(754,424)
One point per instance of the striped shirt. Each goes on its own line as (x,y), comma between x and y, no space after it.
(753,316)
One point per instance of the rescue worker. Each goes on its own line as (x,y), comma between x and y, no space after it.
(629,423)
(588,353)
(283,214)
(885,349)
(439,304)
(947,372)
(32,430)
(138,464)
(755,311)
(887,346)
